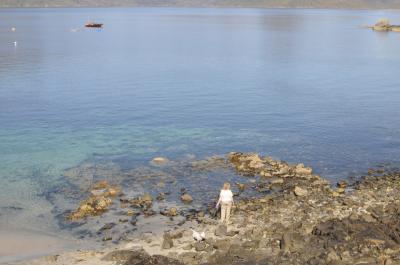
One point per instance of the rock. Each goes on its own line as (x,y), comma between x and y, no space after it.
(252,244)
(107,226)
(332,256)
(340,190)
(149,212)
(342,184)
(107,238)
(186,198)
(292,242)
(389,261)
(176,234)
(189,257)
(147,198)
(248,164)
(301,170)
(277,181)
(284,170)
(136,257)
(100,185)
(130,213)
(112,192)
(221,230)
(300,191)
(161,196)
(395,29)
(93,206)
(222,244)
(383,25)
(200,246)
(241,186)
(142,258)
(232,233)
(265,174)
(187,247)
(159,161)
(119,255)
(255,162)
(167,241)
(172,211)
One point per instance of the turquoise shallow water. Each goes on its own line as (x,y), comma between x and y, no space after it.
(309,86)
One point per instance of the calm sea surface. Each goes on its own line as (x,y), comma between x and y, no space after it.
(309,86)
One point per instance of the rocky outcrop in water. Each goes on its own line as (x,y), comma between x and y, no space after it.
(384,25)
(97,203)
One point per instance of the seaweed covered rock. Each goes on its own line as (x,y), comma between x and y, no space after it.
(92,206)
(97,203)
(247,164)
(251,164)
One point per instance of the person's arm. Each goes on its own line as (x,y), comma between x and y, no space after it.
(233,202)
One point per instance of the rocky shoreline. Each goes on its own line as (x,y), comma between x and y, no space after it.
(384,25)
(297,218)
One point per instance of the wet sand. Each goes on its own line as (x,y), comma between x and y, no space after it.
(17,245)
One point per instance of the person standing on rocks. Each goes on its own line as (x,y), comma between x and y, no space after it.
(226,201)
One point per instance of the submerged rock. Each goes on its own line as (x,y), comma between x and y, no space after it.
(160,160)
(97,203)
(93,206)
(186,198)
(172,211)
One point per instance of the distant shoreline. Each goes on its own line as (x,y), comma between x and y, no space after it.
(395,8)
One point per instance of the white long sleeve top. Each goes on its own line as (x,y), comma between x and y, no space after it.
(226,196)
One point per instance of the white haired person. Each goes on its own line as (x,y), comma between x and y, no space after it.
(226,201)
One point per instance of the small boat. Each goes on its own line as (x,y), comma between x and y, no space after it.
(93,25)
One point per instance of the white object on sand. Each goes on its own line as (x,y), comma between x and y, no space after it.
(13,29)
(15,43)
(198,236)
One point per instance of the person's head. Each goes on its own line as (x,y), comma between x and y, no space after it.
(226,186)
